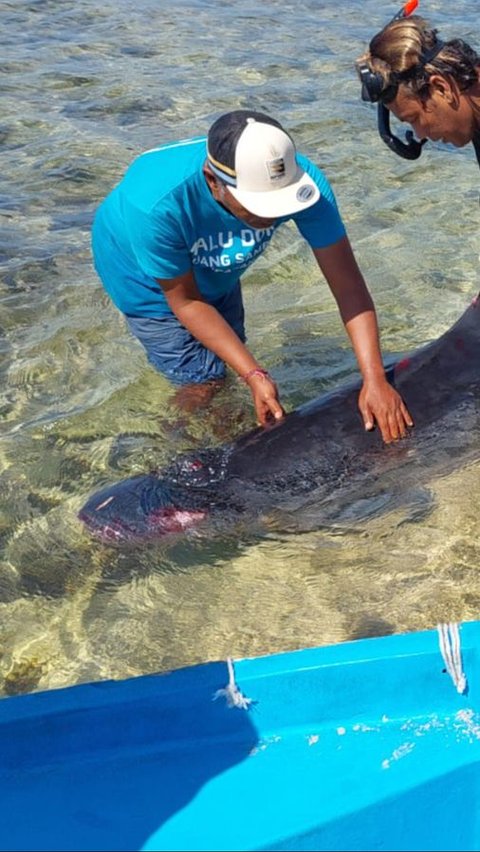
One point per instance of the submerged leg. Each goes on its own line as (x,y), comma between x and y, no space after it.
(194,397)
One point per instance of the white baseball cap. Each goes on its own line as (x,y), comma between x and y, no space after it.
(256,158)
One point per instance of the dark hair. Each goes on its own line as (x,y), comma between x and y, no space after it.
(397,53)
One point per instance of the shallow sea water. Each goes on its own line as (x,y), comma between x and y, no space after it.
(84,91)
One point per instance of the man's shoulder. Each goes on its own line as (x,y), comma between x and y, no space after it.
(175,161)
(155,175)
(184,150)
(315,172)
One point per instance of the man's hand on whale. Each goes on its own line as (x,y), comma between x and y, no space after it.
(379,403)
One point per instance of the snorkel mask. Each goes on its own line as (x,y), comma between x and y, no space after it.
(375,91)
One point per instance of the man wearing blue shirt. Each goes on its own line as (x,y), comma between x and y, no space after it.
(172,239)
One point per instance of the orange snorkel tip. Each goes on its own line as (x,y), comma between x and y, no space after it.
(409,7)
(406,10)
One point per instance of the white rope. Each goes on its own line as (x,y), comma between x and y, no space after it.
(449,638)
(234,697)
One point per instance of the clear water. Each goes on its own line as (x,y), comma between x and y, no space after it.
(85,89)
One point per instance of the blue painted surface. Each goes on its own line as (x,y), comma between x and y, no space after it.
(363,745)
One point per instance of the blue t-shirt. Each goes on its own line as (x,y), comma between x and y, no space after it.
(161,220)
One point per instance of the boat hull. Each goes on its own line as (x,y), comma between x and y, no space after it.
(361,745)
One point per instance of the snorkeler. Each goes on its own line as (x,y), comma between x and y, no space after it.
(430,84)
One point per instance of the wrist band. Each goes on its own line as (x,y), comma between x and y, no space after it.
(257,371)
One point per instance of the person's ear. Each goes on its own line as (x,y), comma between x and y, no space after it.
(444,88)
(216,186)
(209,176)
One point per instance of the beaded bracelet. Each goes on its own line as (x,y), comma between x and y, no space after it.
(257,371)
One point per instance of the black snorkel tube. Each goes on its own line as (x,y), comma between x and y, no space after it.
(373,90)
(476,145)
(410,149)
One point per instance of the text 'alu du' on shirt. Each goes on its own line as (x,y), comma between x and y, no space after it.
(161,220)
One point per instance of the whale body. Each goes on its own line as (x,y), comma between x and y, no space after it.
(318,463)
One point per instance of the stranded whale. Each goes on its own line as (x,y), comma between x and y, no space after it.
(317,464)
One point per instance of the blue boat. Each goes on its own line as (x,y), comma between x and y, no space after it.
(372,744)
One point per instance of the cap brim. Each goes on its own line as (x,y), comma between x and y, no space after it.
(274,203)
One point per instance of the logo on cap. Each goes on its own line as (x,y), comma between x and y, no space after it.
(304,193)
(275,168)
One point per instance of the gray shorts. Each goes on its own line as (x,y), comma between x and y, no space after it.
(173,351)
